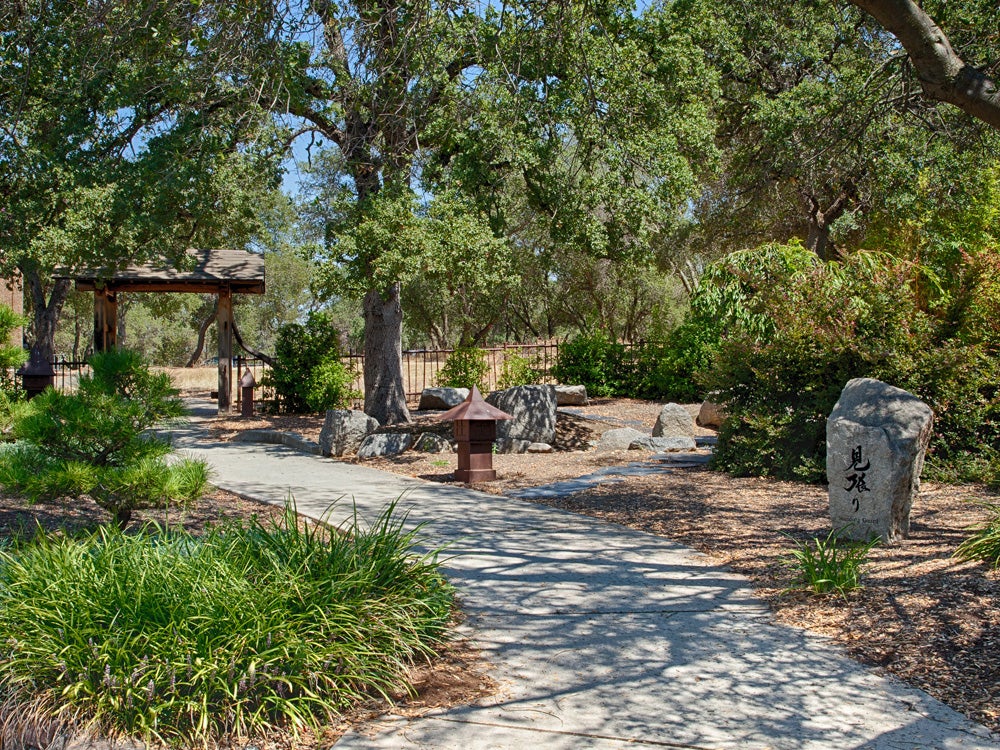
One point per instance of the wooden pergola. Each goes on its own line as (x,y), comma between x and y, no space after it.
(220,272)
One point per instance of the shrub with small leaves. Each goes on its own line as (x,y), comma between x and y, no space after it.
(307,374)
(595,362)
(465,367)
(11,356)
(95,443)
(517,370)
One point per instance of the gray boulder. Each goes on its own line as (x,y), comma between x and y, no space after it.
(619,439)
(711,414)
(430,442)
(674,421)
(876,439)
(533,408)
(666,444)
(344,430)
(571,395)
(383,444)
(512,445)
(441,398)
(539,448)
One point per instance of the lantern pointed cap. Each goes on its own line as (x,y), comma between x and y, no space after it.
(474,407)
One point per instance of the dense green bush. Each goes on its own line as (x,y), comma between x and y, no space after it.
(308,375)
(517,370)
(465,367)
(595,362)
(95,443)
(11,357)
(870,316)
(187,640)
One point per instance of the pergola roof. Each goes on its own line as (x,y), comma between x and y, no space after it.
(212,270)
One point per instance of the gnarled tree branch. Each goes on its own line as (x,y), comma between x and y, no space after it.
(943,74)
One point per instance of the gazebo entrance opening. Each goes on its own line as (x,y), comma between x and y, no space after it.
(220,272)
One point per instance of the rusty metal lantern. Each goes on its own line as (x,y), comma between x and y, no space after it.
(247,384)
(36,375)
(475,430)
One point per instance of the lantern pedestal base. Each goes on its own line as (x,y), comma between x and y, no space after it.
(475,460)
(470,476)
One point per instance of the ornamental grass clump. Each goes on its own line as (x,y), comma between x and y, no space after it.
(984,543)
(828,566)
(183,640)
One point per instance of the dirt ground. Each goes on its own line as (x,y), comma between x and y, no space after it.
(922,615)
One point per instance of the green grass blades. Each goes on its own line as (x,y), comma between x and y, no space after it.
(984,543)
(187,640)
(828,566)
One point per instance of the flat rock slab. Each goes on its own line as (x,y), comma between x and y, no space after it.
(671,444)
(637,423)
(619,439)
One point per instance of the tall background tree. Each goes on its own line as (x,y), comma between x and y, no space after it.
(594,119)
(125,134)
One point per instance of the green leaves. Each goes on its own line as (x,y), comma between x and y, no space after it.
(828,566)
(95,442)
(186,641)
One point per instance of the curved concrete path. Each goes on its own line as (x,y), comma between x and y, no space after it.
(601,636)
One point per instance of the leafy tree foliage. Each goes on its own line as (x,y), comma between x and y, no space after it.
(595,120)
(123,136)
(823,130)
(968,83)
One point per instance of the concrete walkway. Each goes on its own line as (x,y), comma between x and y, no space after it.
(603,637)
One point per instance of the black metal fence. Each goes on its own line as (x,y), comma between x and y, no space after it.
(420,368)
(67,373)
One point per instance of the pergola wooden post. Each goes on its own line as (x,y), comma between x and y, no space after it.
(221,272)
(105,320)
(225,323)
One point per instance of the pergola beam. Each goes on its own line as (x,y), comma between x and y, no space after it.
(221,272)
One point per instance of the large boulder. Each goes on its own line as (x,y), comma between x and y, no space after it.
(619,439)
(385,444)
(711,414)
(571,395)
(674,421)
(876,438)
(533,408)
(432,399)
(344,430)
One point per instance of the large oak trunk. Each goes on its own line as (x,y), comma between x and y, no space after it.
(385,394)
(45,315)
